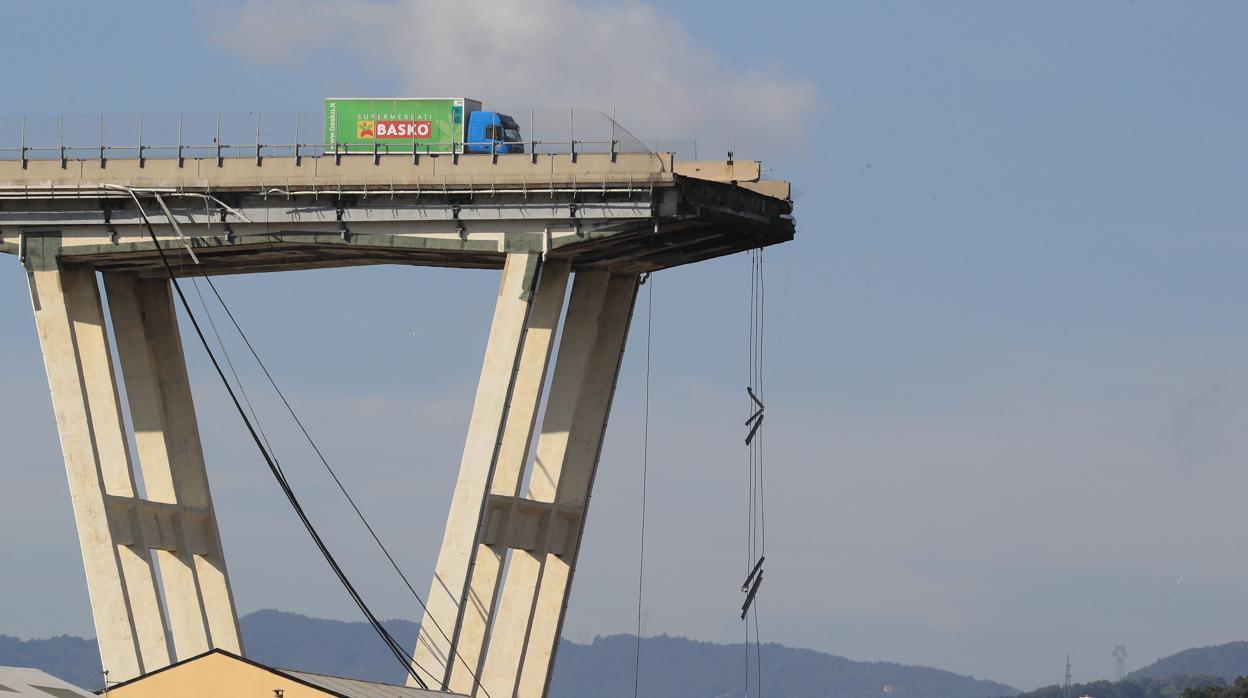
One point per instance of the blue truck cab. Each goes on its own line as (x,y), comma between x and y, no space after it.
(492,132)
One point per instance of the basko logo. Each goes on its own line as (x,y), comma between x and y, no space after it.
(370,128)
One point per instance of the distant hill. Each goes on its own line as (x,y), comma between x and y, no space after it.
(1169,687)
(671,667)
(66,657)
(293,641)
(1224,661)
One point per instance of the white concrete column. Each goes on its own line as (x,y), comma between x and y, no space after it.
(120,581)
(433,657)
(540,332)
(192,564)
(534,596)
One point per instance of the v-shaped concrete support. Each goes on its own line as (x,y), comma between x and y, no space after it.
(118,529)
(481,634)
(473,636)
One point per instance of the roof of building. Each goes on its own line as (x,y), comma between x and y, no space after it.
(17,681)
(358,688)
(336,686)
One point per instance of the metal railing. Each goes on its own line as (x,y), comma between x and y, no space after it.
(682,148)
(259,135)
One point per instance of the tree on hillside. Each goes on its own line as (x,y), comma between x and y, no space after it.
(1171,687)
(1239,690)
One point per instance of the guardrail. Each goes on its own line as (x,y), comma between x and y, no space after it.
(259,135)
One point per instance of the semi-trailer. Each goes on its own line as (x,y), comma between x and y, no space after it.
(405,125)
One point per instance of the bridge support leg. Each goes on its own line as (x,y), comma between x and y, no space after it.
(546,543)
(509,642)
(179,508)
(461,596)
(120,581)
(513,451)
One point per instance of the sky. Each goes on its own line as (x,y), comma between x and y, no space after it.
(1006,356)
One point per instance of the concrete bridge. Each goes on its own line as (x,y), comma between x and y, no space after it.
(598,221)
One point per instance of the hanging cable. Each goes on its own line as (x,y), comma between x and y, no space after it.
(645,467)
(409,665)
(229,362)
(756,537)
(763,511)
(763,332)
(338,481)
(762,501)
(752,423)
(308,437)
(758,649)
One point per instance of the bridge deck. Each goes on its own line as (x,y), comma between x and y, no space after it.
(627,212)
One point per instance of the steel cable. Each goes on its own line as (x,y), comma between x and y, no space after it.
(384,634)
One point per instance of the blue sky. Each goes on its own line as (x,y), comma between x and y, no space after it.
(1007,350)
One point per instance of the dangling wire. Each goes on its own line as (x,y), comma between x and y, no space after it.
(756,533)
(294,416)
(645,467)
(229,362)
(399,654)
(762,501)
(332,473)
(758,651)
(763,331)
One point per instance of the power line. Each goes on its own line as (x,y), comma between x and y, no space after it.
(758,651)
(230,363)
(756,539)
(763,332)
(337,481)
(278,475)
(645,467)
(311,442)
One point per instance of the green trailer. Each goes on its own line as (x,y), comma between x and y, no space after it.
(397,125)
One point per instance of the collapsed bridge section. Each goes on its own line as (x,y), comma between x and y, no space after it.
(593,221)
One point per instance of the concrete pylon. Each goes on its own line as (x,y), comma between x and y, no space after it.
(534,598)
(120,581)
(526,317)
(509,641)
(118,529)
(192,567)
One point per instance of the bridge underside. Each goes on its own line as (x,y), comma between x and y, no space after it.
(633,245)
(594,223)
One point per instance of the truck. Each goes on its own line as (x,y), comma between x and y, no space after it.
(407,125)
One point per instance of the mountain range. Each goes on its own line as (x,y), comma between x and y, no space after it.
(1223,661)
(1168,687)
(671,667)
(1196,668)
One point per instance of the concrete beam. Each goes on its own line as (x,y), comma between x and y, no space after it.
(775,188)
(120,580)
(720,170)
(197,591)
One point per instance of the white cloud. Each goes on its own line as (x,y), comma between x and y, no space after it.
(544,53)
